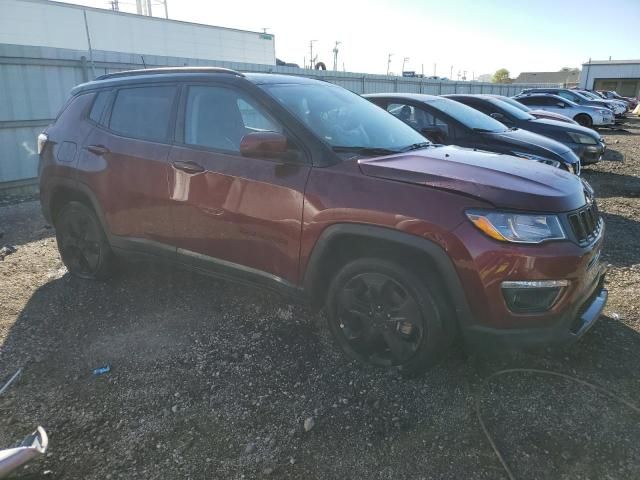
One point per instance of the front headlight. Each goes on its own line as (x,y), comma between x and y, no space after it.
(582,138)
(517,227)
(538,158)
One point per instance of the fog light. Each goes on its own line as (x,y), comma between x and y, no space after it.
(535,296)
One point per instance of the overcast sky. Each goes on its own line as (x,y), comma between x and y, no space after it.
(478,36)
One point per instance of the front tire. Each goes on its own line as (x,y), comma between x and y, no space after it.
(382,314)
(584,120)
(82,243)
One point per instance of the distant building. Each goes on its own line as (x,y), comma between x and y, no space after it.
(42,23)
(566,77)
(485,77)
(622,76)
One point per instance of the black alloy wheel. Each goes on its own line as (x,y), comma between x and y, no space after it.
(584,120)
(82,243)
(381,314)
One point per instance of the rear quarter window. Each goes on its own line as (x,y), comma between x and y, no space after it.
(143,112)
(99,104)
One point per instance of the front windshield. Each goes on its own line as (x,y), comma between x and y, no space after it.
(343,119)
(581,96)
(513,103)
(469,117)
(591,95)
(511,110)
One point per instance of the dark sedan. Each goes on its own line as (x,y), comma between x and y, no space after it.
(444,121)
(586,143)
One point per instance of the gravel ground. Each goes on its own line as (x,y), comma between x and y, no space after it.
(214,380)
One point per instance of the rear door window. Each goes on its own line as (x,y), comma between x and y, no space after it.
(143,112)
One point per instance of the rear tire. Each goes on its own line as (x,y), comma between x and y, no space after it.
(82,243)
(584,120)
(382,314)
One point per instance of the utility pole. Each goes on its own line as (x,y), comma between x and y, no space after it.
(335,56)
(464,75)
(149,8)
(166,9)
(404,60)
(139,7)
(389,62)
(312,60)
(115,6)
(451,74)
(434,70)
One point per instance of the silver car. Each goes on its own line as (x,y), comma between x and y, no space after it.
(574,95)
(585,115)
(620,107)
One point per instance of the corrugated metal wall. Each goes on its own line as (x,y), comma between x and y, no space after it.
(35,81)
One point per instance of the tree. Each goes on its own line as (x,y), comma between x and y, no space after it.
(501,76)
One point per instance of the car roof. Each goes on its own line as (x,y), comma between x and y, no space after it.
(487,97)
(542,94)
(418,97)
(172,74)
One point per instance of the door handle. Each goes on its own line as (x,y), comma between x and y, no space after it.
(98,149)
(188,167)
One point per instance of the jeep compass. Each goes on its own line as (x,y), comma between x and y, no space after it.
(306,188)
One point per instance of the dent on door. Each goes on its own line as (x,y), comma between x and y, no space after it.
(248,213)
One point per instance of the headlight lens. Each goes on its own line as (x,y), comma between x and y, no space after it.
(538,158)
(582,138)
(517,227)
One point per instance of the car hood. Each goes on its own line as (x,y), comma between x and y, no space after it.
(554,124)
(504,181)
(522,137)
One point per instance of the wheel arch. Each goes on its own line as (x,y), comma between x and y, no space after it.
(339,243)
(583,114)
(63,190)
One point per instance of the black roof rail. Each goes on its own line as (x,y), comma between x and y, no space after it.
(161,70)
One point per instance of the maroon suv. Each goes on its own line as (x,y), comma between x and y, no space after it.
(309,189)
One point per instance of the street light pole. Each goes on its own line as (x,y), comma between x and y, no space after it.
(389,62)
(335,56)
(404,60)
(312,59)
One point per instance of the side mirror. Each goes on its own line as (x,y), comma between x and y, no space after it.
(498,116)
(560,105)
(264,145)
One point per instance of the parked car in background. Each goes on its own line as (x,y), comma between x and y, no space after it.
(576,97)
(536,113)
(445,121)
(585,115)
(582,142)
(611,95)
(619,105)
(306,188)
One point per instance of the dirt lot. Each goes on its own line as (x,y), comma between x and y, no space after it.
(213,380)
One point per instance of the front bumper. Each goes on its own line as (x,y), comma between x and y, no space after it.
(568,330)
(589,153)
(493,324)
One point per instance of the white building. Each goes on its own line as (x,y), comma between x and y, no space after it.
(44,23)
(622,76)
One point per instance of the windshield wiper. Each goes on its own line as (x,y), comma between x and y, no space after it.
(365,150)
(483,130)
(417,146)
